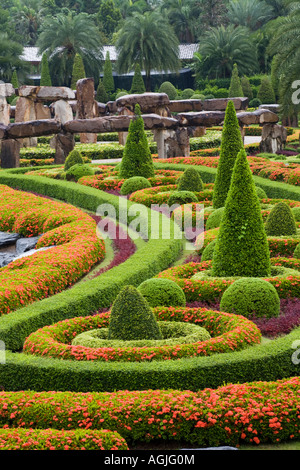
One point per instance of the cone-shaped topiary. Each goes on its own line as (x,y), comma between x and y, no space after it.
(246,87)
(230,146)
(266,92)
(132,318)
(235,88)
(108,79)
(78,71)
(45,74)
(138,85)
(190,181)
(242,247)
(137,158)
(281,221)
(73,158)
(101,96)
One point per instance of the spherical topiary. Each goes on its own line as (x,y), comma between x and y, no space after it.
(208,251)
(187,94)
(251,297)
(78,171)
(182,197)
(261,193)
(162,292)
(197,96)
(134,184)
(281,221)
(169,89)
(73,158)
(190,181)
(214,219)
(131,317)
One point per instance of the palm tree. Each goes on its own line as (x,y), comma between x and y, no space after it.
(11,58)
(181,16)
(64,36)
(250,13)
(148,40)
(222,47)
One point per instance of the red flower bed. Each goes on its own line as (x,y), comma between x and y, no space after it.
(229,332)
(52,439)
(258,412)
(71,234)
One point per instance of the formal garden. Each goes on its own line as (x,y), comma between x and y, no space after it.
(149,302)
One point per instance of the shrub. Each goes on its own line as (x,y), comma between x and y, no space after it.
(246,87)
(169,89)
(162,292)
(190,181)
(208,251)
(242,247)
(72,159)
(266,93)
(132,317)
(281,221)
(78,171)
(182,197)
(101,96)
(297,252)
(296,213)
(198,96)
(138,85)
(251,297)
(108,79)
(187,94)
(231,144)
(45,74)
(78,71)
(214,219)
(235,89)
(135,183)
(137,158)
(255,103)
(261,193)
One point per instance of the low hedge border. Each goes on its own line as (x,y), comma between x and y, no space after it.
(228,332)
(254,413)
(54,439)
(153,257)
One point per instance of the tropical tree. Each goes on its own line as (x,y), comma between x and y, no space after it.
(65,35)
(149,40)
(222,47)
(10,58)
(250,13)
(181,16)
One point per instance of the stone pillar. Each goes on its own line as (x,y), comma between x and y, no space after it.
(64,144)
(172,143)
(273,139)
(87,106)
(4,111)
(10,153)
(26,111)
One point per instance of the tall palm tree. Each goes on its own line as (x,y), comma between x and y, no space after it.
(222,47)
(181,16)
(64,36)
(148,40)
(251,13)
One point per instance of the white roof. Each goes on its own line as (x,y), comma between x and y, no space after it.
(186,51)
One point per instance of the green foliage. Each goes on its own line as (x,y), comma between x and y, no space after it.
(73,158)
(297,252)
(14,79)
(133,184)
(45,73)
(190,181)
(208,251)
(214,219)
(242,247)
(109,17)
(182,197)
(261,193)
(281,221)
(137,85)
(132,318)
(78,171)
(235,89)
(296,213)
(255,103)
(78,71)
(265,92)
(251,297)
(108,79)
(162,292)
(101,95)
(230,146)
(187,93)
(137,158)
(246,87)
(169,89)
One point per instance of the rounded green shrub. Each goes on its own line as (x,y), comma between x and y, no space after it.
(134,184)
(198,96)
(190,181)
(78,171)
(297,252)
(251,297)
(281,221)
(132,318)
(182,197)
(162,292)
(261,193)
(72,159)
(214,219)
(208,251)
(296,213)
(169,89)
(255,103)
(187,94)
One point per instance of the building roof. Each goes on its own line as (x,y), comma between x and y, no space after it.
(186,52)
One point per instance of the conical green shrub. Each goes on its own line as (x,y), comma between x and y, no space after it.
(132,318)
(231,144)
(281,221)
(72,159)
(190,181)
(266,92)
(137,158)
(78,71)
(138,85)
(242,247)
(235,88)
(45,74)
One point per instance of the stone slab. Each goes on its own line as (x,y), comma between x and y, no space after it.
(38,128)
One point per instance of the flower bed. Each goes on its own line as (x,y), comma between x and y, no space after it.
(53,439)
(230,332)
(235,414)
(71,234)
